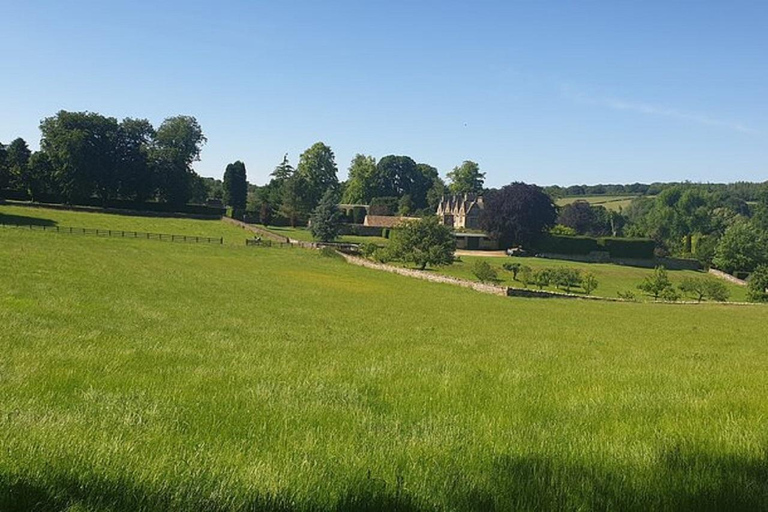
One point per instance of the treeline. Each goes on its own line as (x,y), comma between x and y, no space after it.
(716,226)
(85,156)
(744,190)
(393,185)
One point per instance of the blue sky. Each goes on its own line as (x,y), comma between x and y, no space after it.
(544,92)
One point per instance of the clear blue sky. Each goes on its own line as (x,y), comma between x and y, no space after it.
(544,92)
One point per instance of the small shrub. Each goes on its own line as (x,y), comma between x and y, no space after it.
(526,275)
(329,252)
(589,283)
(484,272)
(703,288)
(367,249)
(656,284)
(627,295)
(542,278)
(757,290)
(566,278)
(669,295)
(512,267)
(381,255)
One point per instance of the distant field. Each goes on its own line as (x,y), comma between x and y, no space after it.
(140,375)
(612,278)
(300,233)
(610,202)
(44,216)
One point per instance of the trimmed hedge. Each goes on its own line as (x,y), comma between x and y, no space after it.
(641,249)
(631,248)
(359,230)
(560,244)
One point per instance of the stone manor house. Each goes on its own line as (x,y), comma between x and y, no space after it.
(460,211)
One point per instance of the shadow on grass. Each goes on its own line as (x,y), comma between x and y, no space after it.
(21,220)
(676,480)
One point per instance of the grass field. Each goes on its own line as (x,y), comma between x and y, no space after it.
(10,214)
(298,233)
(612,278)
(615,203)
(141,375)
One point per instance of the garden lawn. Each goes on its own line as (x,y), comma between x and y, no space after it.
(301,233)
(139,375)
(612,278)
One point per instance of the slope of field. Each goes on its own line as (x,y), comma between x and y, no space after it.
(11,214)
(615,203)
(612,278)
(139,375)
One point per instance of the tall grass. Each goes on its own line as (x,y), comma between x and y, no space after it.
(147,376)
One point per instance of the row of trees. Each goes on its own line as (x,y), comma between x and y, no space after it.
(85,154)
(716,226)
(395,184)
(746,191)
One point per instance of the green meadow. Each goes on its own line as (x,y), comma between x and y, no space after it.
(147,375)
(612,278)
(614,203)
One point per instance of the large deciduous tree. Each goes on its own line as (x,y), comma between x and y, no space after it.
(317,168)
(82,147)
(517,214)
(466,178)
(5,172)
(17,162)
(743,247)
(423,242)
(236,188)
(361,185)
(294,204)
(178,143)
(134,143)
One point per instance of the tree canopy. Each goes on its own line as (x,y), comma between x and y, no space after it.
(466,178)
(317,169)
(326,218)
(423,242)
(517,214)
(236,187)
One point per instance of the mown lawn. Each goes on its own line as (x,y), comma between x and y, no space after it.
(142,375)
(302,233)
(612,278)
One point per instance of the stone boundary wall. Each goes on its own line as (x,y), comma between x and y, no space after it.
(435,278)
(727,277)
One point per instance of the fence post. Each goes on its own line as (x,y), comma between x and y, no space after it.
(221,242)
